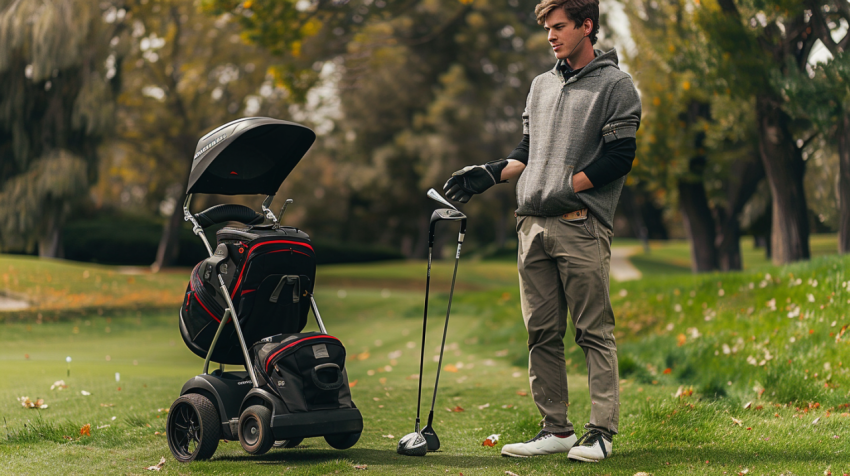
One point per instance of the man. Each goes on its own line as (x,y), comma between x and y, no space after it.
(578,144)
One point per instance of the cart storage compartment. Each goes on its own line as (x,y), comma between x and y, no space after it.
(306,370)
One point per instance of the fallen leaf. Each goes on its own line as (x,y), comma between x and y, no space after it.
(387,436)
(37,405)
(748,405)
(105,426)
(681,339)
(456,409)
(816,421)
(642,473)
(491,440)
(58,385)
(351,384)
(383,380)
(107,405)
(522,393)
(481,407)
(162,410)
(85,393)
(450,368)
(667,371)
(507,406)
(511,473)
(736,421)
(412,377)
(363,356)
(158,466)
(86,430)
(360,466)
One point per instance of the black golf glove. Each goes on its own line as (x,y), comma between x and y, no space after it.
(474,179)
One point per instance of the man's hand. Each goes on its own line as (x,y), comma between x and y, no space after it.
(473,179)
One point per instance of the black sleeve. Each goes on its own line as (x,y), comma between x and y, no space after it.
(616,161)
(521,151)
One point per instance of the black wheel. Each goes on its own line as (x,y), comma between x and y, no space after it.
(343,441)
(255,432)
(288,443)
(193,428)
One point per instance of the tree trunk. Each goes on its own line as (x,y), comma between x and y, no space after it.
(784,166)
(169,242)
(634,216)
(698,219)
(50,243)
(844,184)
(744,177)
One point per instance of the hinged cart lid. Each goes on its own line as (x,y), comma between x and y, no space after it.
(252,155)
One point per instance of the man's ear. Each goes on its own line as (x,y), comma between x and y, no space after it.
(587,26)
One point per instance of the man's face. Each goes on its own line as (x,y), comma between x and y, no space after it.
(563,35)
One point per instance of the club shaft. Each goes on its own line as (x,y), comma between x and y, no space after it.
(424,328)
(446,326)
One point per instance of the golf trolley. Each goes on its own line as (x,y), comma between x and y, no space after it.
(256,287)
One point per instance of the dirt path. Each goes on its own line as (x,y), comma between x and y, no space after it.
(10,304)
(622,268)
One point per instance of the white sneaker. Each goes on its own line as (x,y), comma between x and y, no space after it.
(545,443)
(592,447)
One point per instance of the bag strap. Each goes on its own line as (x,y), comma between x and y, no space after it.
(284,280)
(324,385)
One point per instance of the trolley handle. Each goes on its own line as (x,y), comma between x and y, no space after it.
(228,212)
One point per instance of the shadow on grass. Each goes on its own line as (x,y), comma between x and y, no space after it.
(649,460)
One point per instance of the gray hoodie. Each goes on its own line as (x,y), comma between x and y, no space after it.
(568,123)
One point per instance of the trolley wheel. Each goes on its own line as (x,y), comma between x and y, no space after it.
(193,428)
(343,441)
(255,432)
(288,443)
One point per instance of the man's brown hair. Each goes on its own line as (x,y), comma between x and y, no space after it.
(577,11)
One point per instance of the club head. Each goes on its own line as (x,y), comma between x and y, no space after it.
(412,444)
(447,214)
(432,441)
(435,195)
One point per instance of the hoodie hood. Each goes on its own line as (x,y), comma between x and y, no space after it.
(603,59)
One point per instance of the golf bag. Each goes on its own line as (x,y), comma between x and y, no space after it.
(307,371)
(268,271)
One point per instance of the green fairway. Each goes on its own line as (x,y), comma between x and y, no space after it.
(776,341)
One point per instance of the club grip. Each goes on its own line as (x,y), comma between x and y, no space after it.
(228,212)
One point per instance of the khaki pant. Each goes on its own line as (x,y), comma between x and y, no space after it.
(563,266)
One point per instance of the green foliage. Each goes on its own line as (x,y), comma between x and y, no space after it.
(58,71)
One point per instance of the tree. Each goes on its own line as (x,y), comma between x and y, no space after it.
(695,144)
(59,68)
(822,95)
(751,42)
(186,73)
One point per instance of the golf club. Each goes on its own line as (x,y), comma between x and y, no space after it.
(415,444)
(434,195)
(431,438)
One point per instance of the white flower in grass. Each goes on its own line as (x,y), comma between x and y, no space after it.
(726,349)
(810,297)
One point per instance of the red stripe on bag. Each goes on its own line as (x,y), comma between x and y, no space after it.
(269,360)
(248,256)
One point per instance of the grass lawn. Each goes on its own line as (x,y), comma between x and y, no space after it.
(774,337)
(674,257)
